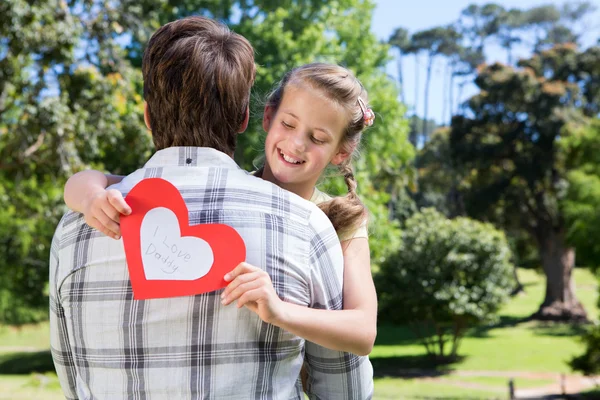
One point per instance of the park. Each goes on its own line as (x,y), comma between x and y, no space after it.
(481,174)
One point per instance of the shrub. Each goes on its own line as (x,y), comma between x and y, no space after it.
(448,275)
(589,361)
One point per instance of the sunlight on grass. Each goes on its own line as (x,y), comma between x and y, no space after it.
(34,386)
(586,290)
(29,337)
(511,346)
(388,388)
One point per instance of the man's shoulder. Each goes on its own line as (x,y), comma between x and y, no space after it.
(290,205)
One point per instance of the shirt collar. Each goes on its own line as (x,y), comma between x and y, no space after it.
(191,157)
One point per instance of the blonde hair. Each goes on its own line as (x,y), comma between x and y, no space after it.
(339,85)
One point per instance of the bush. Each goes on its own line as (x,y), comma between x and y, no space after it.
(589,361)
(447,276)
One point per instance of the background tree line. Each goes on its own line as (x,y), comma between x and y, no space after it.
(520,153)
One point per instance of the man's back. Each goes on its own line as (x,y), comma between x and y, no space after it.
(193,347)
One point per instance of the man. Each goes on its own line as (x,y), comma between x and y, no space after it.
(106,345)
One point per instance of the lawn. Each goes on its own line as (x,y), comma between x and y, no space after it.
(510,346)
(491,355)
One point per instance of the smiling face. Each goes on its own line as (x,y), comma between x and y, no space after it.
(304,135)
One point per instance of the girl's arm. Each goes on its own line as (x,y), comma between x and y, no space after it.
(86,192)
(352,329)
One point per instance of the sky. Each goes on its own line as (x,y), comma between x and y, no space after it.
(416,15)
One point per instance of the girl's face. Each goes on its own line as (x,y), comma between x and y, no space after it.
(304,135)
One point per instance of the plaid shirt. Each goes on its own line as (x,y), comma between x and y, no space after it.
(105,345)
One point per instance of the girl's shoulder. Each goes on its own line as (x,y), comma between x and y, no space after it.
(319,197)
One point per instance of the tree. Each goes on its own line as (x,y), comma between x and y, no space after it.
(509,141)
(479,23)
(448,276)
(541,20)
(580,207)
(467,64)
(439,182)
(434,42)
(452,50)
(60,109)
(511,22)
(582,149)
(70,98)
(400,40)
(439,178)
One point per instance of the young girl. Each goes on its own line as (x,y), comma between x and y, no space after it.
(314,118)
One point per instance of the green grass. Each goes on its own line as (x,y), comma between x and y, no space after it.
(501,382)
(512,345)
(389,388)
(31,337)
(509,346)
(33,386)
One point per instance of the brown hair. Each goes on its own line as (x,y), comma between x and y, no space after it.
(339,85)
(197,80)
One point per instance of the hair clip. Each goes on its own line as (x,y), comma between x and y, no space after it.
(368,114)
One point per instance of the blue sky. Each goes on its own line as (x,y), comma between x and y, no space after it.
(417,15)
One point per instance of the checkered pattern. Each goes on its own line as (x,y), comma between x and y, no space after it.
(106,345)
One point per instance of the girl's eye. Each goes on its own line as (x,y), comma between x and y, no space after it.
(317,141)
(286,125)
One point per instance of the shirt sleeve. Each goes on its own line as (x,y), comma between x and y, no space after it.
(332,374)
(59,340)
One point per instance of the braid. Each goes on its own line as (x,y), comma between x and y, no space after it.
(346,171)
(346,213)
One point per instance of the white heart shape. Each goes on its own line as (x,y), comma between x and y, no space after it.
(168,256)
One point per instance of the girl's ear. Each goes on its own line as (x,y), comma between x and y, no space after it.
(268,116)
(341,156)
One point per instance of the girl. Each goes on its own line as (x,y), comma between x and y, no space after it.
(314,118)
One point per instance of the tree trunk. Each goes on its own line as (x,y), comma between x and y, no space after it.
(461,86)
(518,289)
(509,55)
(401,77)
(558,261)
(414,134)
(426,100)
(445,92)
(451,96)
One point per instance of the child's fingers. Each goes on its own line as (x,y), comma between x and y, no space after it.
(242,268)
(109,224)
(241,289)
(249,296)
(110,212)
(115,198)
(96,224)
(247,277)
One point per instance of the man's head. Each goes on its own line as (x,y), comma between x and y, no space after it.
(197,80)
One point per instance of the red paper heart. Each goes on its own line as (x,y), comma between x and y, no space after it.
(228,248)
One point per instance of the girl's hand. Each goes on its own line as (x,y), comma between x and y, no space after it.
(252,287)
(102,211)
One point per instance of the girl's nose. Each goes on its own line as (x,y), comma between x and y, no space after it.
(299,141)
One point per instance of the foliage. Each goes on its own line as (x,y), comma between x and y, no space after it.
(589,361)
(71,98)
(448,275)
(510,144)
(439,178)
(67,100)
(582,149)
